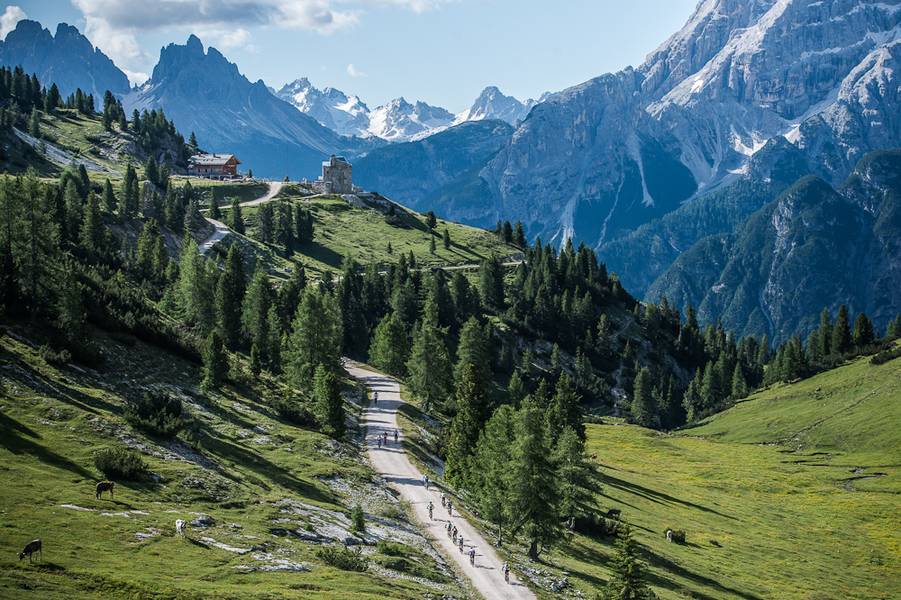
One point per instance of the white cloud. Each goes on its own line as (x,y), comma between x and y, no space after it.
(354,72)
(12,15)
(113,25)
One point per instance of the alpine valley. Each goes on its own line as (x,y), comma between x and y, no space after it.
(636,339)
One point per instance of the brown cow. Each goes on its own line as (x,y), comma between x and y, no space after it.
(30,548)
(105,486)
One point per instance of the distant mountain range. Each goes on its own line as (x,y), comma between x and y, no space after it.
(201,91)
(398,120)
(683,173)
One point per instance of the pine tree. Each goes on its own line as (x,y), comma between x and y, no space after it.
(893,331)
(643,405)
(74,210)
(235,220)
(516,390)
(230,298)
(255,312)
(825,333)
(841,332)
(110,203)
(491,283)
(739,385)
(431,220)
(863,332)
(519,236)
(464,428)
(70,311)
(429,367)
(564,411)
(315,337)
(432,248)
(328,405)
(446,239)
(389,346)
(215,212)
(628,582)
(215,363)
(91,234)
(491,472)
(573,476)
(129,207)
(265,223)
(692,401)
(534,494)
(194,295)
(34,123)
(151,171)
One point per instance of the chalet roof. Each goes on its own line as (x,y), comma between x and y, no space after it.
(213,160)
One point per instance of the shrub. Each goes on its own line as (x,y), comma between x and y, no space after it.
(293,411)
(343,558)
(886,355)
(55,357)
(157,413)
(358,518)
(120,463)
(392,548)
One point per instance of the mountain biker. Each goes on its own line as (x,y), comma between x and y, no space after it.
(375,397)
(425,481)
(430,510)
(443,500)
(472,556)
(450,508)
(506,570)
(461,544)
(395,436)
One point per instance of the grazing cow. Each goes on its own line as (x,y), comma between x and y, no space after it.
(105,486)
(614,513)
(30,548)
(180,526)
(675,536)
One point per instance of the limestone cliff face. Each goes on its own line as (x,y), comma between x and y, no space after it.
(600,159)
(67,59)
(814,245)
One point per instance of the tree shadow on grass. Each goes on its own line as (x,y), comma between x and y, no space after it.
(30,378)
(671,566)
(264,468)
(12,440)
(654,495)
(323,254)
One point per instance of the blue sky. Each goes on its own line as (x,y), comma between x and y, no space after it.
(440,51)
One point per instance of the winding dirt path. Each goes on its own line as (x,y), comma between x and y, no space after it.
(392,463)
(221,229)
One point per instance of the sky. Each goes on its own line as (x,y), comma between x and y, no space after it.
(443,52)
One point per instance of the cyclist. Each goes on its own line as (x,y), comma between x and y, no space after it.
(506,572)
(472,556)
(430,510)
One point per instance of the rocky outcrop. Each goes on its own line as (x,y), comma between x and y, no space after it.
(67,59)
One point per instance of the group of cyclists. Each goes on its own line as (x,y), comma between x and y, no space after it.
(451,529)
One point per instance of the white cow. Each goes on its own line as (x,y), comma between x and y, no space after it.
(180,526)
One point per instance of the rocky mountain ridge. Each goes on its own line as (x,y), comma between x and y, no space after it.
(201,91)
(397,120)
(67,59)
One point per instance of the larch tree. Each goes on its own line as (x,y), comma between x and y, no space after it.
(229,298)
(841,332)
(465,425)
(628,581)
(492,468)
(534,493)
(315,337)
(328,404)
(389,346)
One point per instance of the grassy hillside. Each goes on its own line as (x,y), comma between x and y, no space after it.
(265,482)
(364,233)
(792,493)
